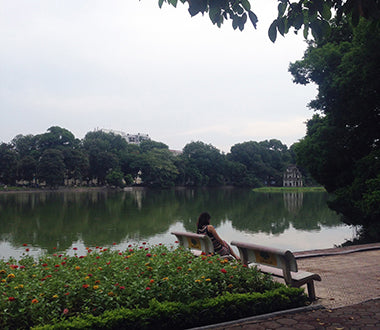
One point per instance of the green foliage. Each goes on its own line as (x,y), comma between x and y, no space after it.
(310,16)
(203,164)
(289,189)
(158,168)
(51,167)
(141,279)
(8,164)
(265,161)
(102,158)
(341,148)
(174,315)
(115,178)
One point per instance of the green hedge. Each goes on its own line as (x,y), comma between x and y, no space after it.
(175,315)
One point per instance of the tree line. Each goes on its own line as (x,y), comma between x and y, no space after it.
(100,158)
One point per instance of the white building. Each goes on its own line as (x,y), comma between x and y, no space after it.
(130,138)
(292,177)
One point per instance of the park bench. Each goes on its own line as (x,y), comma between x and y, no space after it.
(278,263)
(197,243)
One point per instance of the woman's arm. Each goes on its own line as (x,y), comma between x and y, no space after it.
(212,230)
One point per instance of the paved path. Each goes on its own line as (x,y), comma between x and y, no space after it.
(348,295)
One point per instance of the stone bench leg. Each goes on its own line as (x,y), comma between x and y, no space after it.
(311,290)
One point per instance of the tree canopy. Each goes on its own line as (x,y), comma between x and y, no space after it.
(342,145)
(309,15)
(57,157)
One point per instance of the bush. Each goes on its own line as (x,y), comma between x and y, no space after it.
(176,315)
(136,281)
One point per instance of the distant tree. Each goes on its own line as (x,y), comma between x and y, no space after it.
(237,175)
(264,161)
(27,168)
(56,138)
(148,145)
(25,145)
(51,168)
(8,164)
(203,164)
(128,179)
(76,163)
(127,158)
(115,178)
(104,153)
(157,167)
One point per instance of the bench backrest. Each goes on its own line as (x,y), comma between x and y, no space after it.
(258,254)
(195,241)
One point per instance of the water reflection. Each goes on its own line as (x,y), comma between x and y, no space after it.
(293,201)
(55,220)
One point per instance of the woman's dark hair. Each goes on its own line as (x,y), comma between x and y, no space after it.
(203,220)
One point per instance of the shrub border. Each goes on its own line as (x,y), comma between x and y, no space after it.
(174,315)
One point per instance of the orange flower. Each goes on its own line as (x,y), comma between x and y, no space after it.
(34,301)
(85,286)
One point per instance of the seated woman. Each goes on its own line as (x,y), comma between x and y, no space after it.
(203,227)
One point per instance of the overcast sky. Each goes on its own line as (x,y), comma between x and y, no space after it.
(129,65)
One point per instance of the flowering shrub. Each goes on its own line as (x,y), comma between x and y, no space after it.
(59,286)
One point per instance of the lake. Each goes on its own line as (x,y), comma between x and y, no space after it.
(62,221)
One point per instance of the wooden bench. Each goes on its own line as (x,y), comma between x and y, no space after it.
(279,263)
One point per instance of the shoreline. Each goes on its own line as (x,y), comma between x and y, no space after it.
(15,190)
(63,189)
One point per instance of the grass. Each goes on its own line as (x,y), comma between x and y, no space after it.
(289,189)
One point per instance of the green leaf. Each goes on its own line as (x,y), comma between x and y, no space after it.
(235,22)
(272,32)
(326,12)
(196,6)
(160,2)
(281,26)
(246,5)
(316,29)
(239,9)
(281,8)
(243,19)
(253,18)
(306,31)
(173,2)
(298,21)
(214,14)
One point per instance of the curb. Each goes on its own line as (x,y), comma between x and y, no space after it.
(336,251)
(261,317)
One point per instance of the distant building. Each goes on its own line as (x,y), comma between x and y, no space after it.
(130,138)
(292,177)
(175,152)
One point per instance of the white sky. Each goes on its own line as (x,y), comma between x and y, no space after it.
(128,65)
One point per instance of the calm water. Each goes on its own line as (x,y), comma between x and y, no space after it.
(51,222)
